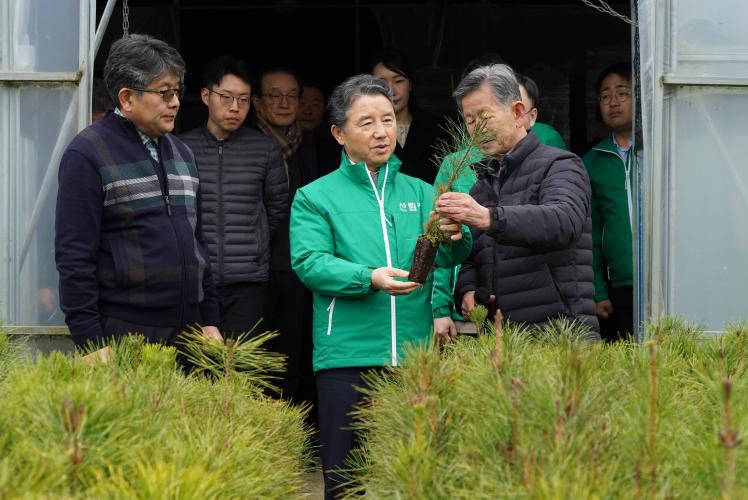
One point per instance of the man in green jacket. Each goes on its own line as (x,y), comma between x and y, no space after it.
(353,233)
(548,135)
(609,167)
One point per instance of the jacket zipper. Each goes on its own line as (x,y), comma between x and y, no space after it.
(383,220)
(219,213)
(165,191)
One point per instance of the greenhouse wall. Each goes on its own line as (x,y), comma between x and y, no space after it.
(693,177)
(45,51)
(694,100)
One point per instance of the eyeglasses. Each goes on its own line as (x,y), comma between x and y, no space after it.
(621,96)
(167,95)
(277,97)
(227,100)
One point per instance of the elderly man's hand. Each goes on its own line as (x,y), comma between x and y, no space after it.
(445,329)
(448,227)
(212,333)
(383,279)
(463,209)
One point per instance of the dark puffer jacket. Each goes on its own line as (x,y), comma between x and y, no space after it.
(537,256)
(245,200)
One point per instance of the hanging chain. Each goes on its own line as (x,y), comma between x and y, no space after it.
(125,19)
(605,9)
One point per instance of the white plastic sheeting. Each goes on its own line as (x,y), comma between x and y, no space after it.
(44,57)
(694,96)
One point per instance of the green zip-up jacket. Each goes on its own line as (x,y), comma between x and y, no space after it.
(613,260)
(341,230)
(549,136)
(442,300)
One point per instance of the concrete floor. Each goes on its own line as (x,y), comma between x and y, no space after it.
(314,487)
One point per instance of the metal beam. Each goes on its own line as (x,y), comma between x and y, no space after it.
(24,76)
(704,81)
(101,30)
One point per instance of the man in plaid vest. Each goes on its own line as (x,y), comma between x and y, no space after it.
(128,242)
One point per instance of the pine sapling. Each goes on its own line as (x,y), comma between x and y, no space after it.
(730,438)
(652,419)
(72,421)
(477,316)
(497,353)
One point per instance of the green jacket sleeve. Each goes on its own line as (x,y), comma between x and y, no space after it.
(442,302)
(313,258)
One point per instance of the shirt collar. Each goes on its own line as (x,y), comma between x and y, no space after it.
(143,137)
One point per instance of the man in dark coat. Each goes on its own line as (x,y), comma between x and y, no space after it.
(245,194)
(276,103)
(529,212)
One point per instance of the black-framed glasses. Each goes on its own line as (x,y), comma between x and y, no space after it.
(167,95)
(277,97)
(227,100)
(621,95)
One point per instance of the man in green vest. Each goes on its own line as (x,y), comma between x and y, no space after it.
(609,167)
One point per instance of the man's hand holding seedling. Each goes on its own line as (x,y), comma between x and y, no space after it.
(383,279)
(461,208)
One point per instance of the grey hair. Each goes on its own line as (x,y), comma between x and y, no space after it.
(137,60)
(499,77)
(344,95)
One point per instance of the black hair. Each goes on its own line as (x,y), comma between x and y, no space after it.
(393,60)
(621,68)
(530,87)
(221,66)
(342,98)
(268,70)
(101,101)
(137,60)
(313,83)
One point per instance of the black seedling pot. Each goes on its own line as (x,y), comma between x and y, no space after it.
(423,259)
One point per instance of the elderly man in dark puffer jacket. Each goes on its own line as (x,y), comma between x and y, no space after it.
(529,212)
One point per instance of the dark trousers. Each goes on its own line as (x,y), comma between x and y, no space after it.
(115,328)
(337,394)
(620,324)
(241,307)
(284,311)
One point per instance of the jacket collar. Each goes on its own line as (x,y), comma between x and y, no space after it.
(513,158)
(357,171)
(130,133)
(213,139)
(607,145)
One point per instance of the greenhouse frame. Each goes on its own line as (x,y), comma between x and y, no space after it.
(691,68)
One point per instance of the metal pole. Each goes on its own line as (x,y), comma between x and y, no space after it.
(103,23)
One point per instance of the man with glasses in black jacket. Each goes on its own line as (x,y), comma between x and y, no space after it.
(245,194)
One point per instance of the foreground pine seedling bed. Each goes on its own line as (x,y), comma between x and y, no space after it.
(137,427)
(551,415)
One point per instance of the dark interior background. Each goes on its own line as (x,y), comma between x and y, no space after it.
(561,44)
